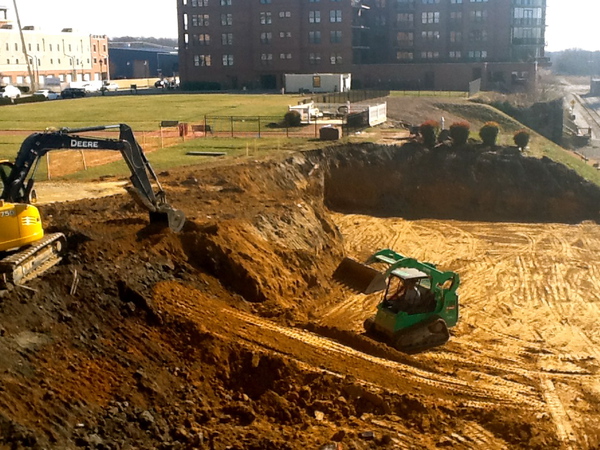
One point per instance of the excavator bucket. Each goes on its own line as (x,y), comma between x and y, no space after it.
(174,218)
(359,277)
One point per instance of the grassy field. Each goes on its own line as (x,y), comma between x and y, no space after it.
(144,113)
(141,112)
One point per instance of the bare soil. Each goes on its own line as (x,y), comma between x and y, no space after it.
(232,334)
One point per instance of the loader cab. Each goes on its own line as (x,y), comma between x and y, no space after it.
(404,279)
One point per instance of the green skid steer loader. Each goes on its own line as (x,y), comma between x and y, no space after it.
(410,322)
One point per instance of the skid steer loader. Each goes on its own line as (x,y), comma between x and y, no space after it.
(413,325)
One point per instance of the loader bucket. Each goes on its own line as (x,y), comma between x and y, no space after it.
(359,277)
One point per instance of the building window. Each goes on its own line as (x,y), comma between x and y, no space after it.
(478,1)
(226,19)
(314,37)
(266,59)
(285,56)
(266,37)
(335,15)
(430,36)
(405,19)
(478,15)
(477,54)
(430,55)
(202,60)
(314,58)
(283,14)
(430,17)
(335,58)
(455,2)
(477,35)
(314,1)
(456,16)
(404,56)
(430,2)
(265,2)
(199,20)
(285,34)
(201,39)
(227,39)
(228,60)
(335,37)
(225,2)
(455,36)
(265,18)
(455,55)
(199,2)
(314,17)
(405,39)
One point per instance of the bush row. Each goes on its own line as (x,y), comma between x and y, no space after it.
(429,134)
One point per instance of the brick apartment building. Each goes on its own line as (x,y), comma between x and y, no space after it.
(401,44)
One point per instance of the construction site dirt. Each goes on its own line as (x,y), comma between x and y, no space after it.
(232,334)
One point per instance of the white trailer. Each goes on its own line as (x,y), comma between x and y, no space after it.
(317,82)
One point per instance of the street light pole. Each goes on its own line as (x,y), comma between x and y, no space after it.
(32,82)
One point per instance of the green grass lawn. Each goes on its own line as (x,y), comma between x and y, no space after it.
(145,112)
(141,112)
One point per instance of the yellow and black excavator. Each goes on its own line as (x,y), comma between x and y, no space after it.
(25,250)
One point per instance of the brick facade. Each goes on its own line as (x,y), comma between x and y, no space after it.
(253,43)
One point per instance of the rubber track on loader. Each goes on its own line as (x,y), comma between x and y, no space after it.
(20,267)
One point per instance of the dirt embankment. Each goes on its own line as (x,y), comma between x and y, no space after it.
(150,339)
(469,184)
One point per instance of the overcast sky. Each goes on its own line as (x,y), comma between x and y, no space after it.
(571,23)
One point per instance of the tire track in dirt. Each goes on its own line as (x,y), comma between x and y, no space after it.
(540,282)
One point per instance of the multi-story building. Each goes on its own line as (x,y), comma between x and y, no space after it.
(31,55)
(429,44)
(253,43)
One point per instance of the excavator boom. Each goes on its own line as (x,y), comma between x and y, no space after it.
(18,188)
(26,251)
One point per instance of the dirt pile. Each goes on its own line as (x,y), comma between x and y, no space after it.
(471,183)
(144,338)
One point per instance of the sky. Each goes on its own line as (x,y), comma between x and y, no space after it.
(571,23)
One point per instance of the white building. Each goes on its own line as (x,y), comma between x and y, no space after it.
(68,56)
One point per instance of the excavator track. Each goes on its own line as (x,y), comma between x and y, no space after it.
(20,267)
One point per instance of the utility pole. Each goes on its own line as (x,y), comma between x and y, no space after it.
(33,83)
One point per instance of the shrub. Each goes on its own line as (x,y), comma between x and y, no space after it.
(459,132)
(489,133)
(428,131)
(521,138)
(292,119)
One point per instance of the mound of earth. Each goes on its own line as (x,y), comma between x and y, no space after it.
(144,338)
(471,183)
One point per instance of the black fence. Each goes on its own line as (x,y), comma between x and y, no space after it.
(353,96)
(257,126)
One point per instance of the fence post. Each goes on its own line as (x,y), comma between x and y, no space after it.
(231,125)
(316,120)
(48,164)
(205,130)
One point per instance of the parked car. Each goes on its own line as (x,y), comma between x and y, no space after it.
(73,93)
(50,95)
(110,87)
(11,91)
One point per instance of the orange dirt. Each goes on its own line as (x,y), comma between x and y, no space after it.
(232,335)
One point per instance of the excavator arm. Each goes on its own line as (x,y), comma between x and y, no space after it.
(18,183)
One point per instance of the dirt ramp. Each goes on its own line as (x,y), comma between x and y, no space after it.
(466,184)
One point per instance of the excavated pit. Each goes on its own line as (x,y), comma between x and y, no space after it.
(191,340)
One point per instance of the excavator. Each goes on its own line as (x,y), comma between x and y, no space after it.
(409,326)
(25,250)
